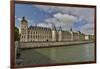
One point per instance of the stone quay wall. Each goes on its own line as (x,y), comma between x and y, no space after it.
(50,44)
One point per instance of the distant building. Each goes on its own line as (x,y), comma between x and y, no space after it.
(86,37)
(35,33)
(81,36)
(89,37)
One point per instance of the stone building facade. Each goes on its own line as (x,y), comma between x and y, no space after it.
(35,33)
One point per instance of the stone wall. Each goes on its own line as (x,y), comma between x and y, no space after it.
(50,44)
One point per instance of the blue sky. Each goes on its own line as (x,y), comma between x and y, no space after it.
(31,13)
(79,19)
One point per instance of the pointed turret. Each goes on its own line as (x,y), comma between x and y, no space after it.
(60,28)
(60,34)
(71,29)
(54,32)
(53,27)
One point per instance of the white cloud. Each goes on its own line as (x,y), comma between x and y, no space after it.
(84,13)
(64,20)
(88,28)
(47,8)
(45,25)
(19,19)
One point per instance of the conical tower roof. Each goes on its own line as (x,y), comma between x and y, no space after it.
(24,20)
(60,28)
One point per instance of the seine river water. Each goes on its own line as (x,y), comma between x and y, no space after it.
(75,53)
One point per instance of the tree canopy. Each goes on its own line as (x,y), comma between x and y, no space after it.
(16,34)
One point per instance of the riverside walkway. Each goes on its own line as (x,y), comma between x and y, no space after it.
(50,44)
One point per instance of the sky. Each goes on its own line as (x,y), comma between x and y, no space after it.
(77,18)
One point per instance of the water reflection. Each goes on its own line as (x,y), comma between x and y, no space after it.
(76,53)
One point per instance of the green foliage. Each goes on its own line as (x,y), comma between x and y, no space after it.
(16,34)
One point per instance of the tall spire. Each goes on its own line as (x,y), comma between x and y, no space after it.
(79,31)
(53,27)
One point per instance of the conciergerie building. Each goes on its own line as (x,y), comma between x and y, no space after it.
(37,33)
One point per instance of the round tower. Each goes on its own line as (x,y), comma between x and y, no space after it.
(24,30)
(71,31)
(53,33)
(60,34)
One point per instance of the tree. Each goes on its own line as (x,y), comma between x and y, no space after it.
(16,34)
